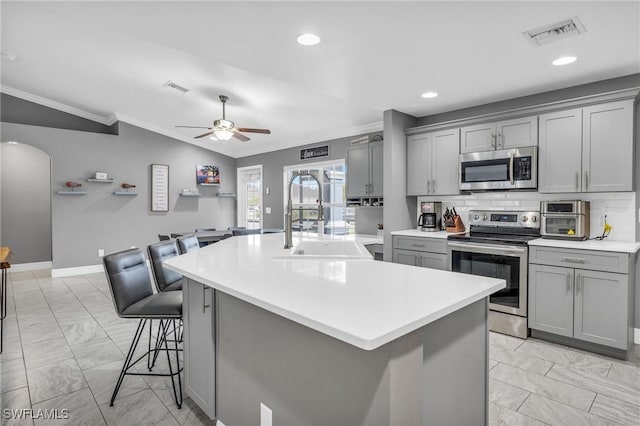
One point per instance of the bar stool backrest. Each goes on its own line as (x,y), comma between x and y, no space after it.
(188,243)
(246,231)
(158,253)
(128,277)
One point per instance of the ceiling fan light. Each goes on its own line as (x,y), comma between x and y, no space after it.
(223,134)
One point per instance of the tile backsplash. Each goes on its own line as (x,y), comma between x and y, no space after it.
(618,206)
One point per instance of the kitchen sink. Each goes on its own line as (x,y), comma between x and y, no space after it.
(329,249)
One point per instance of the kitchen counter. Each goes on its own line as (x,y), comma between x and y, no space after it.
(331,341)
(423,234)
(604,245)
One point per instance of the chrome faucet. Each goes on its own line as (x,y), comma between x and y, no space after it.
(288,216)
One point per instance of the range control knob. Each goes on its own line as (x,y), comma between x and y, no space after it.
(484,217)
(476,217)
(534,218)
(524,218)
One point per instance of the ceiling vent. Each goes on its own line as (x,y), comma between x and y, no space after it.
(553,32)
(175,86)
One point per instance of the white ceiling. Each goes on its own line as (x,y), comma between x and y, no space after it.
(111,59)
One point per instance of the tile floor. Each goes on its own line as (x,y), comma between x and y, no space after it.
(64,347)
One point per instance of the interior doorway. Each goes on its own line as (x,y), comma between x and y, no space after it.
(250,197)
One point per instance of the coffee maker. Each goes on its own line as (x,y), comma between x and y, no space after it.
(430,219)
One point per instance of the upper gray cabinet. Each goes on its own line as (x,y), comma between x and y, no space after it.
(432,163)
(587,149)
(365,170)
(506,134)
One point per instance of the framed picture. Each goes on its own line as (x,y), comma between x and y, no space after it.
(207,174)
(159,188)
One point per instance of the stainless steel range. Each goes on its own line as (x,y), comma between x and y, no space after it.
(496,246)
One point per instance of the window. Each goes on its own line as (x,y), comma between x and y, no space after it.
(250,197)
(304,196)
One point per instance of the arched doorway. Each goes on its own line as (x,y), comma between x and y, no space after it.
(25,204)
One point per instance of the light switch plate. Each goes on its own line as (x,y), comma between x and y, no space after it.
(267,210)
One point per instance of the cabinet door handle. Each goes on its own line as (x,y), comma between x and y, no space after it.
(433,186)
(428,187)
(204,303)
(501,144)
(568,282)
(417,245)
(586,180)
(578,284)
(574,260)
(577,181)
(493,141)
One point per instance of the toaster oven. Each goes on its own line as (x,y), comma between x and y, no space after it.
(567,220)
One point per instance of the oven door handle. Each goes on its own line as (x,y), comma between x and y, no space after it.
(493,249)
(511,164)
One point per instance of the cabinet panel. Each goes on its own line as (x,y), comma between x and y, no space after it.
(607,147)
(585,259)
(418,164)
(199,345)
(601,308)
(479,137)
(517,133)
(405,257)
(357,170)
(432,245)
(434,261)
(444,162)
(376,168)
(551,299)
(560,152)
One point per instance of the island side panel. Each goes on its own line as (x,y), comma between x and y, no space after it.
(456,365)
(305,377)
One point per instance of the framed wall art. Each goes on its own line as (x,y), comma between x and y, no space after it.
(159,188)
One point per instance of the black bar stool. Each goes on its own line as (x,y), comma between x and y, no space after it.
(245,231)
(133,297)
(188,243)
(165,279)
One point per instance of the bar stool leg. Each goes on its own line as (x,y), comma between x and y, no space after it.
(173,384)
(127,361)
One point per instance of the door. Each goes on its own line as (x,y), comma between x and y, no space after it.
(250,197)
(601,310)
(199,345)
(607,147)
(357,170)
(376,168)
(479,137)
(444,162)
(517,133)
(560,153)
(419,164)
(551,299)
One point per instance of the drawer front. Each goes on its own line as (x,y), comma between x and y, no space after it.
(434,261)
(420,244)
(583,259)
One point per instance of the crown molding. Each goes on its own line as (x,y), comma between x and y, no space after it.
(108,121)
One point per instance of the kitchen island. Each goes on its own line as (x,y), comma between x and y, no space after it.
(330,341)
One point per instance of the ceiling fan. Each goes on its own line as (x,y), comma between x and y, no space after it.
(224,129)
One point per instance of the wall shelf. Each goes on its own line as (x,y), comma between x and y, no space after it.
(125,193)
(71,192)
(226,194)
(110,180)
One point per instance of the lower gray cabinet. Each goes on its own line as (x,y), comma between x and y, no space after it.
(418,251)
(199,344)
(588,305)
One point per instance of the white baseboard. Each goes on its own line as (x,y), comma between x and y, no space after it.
(636,336)
(79,270)
(35,266)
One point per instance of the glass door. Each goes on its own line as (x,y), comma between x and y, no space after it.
(250,197)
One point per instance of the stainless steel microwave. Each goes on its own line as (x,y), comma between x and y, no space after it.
(515,168)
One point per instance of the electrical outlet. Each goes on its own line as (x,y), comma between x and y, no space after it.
(100,252)
(132,247)
(267,210)
(265,415)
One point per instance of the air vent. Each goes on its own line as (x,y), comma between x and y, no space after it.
(553,32)
(175,86)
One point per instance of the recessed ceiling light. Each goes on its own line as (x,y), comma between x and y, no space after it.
(429,95)
(308,39)
(12,143)
(565,60)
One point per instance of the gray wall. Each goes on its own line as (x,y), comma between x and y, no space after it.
(26,207)
(83,224)
(272,165)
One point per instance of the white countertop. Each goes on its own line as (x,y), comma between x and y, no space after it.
(602,245)
(424,234)
(365,303)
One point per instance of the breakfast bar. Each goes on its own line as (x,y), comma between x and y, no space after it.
(322,338)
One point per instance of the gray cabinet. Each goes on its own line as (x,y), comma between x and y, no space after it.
(418,251)
(199,345)
(587,149)
(581,294)
(506,134)
(432,163)
(365,170)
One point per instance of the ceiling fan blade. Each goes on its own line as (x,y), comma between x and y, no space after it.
(203,135)
(239,136)
(193,127)
(245,129)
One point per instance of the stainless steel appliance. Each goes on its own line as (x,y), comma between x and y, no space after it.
(430,219)
(503,169)
(567,220)
(496,247)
